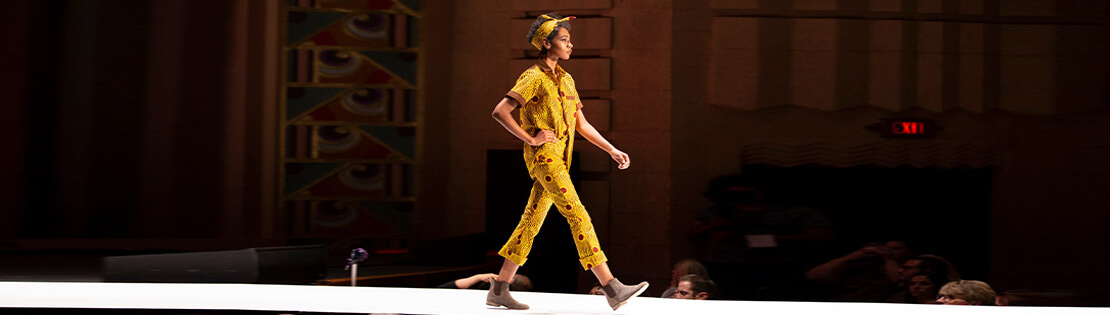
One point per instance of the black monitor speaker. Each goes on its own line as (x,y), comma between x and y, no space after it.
(272,265)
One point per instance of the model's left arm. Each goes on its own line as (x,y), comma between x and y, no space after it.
(591,134)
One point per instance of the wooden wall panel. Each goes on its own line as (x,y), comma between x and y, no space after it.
(734,62)
(972,68)
(930,66)
(1028,68)
(815,5)
(555,5)
(813,63)
(734,4)
(930,6)
(598,112)
(885,5)
(971,7)
(1027,7)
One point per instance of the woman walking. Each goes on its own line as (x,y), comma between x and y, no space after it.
(550,113)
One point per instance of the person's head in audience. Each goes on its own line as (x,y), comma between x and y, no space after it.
(944,266)
(925,286)
(520,283)
(924,263)
(898,250)
(686,267)
(596,289)
(966,292)
(693,287)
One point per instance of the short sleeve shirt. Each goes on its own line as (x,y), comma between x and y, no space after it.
(548,101)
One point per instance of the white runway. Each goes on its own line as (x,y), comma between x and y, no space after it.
(364,300)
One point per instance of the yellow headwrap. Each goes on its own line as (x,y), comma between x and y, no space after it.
(545,29)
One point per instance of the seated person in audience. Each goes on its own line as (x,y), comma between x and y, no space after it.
(916,265)
(934,263)
(694,287)
(481,281)
(860,276)
(966,292)
(596,289)
(926,263)
(924,287)
(756,244)
(682,268)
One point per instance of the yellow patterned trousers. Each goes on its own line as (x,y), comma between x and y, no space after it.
(553,186)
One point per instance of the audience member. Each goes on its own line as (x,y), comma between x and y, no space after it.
(860,276)
(939,264)
(924,287)
(596,289)
(966,292)
(917,265)
(695,287)
(899,251)
(754,247)
(481,281)
(682,268)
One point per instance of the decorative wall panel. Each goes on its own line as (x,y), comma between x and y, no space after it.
(350,123)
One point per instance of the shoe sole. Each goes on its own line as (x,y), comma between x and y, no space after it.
(638,292)
(500,305)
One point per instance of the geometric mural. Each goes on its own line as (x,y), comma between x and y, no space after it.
(349,123)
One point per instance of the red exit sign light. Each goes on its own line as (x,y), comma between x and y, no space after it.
(905,128)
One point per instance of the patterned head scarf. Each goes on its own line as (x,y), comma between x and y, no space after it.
(545,29)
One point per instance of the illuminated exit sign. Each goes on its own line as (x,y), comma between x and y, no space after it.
(905,128)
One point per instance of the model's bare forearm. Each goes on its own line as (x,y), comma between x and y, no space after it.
(590,133)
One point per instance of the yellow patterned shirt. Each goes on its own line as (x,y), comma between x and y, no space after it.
(548,101)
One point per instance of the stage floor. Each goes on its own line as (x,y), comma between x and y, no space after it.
(365,300)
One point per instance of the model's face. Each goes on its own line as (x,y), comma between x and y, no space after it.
(921,286)
(561,46)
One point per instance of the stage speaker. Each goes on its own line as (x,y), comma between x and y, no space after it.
(273,265)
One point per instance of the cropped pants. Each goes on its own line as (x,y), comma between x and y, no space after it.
(553,186)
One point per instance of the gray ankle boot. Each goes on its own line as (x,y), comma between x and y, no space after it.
(499,296)
(617,293)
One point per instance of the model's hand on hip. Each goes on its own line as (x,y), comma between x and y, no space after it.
(622,158)
(544,136)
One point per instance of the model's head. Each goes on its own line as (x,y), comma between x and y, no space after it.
(966,292)
(550,33)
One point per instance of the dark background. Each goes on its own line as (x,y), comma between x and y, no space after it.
(150,126)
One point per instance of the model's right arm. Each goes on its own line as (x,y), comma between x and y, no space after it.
(503,114)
